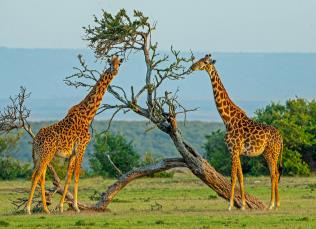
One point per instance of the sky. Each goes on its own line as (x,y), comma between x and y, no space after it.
(200,25)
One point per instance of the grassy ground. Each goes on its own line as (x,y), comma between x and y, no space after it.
(179,202)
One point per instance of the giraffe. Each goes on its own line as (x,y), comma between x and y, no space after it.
(68,138)
(244,136)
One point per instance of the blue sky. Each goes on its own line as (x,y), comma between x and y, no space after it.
(225,26)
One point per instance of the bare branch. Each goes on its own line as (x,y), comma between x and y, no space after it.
(14,116)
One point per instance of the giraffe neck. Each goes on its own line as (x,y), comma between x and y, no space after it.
(225,106)
(90,104)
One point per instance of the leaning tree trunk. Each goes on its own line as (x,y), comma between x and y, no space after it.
(202,169)
(165,164)
(107,196)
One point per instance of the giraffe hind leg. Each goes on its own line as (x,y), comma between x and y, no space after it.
(272,168)
(43,191)
(36,176)
(81,149)
(277,195)
(71,165)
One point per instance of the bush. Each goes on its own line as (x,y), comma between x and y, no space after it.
(121,153)
(11,168)
(293,164)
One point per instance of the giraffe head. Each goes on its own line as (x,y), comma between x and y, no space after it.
(115,62)
(203,63)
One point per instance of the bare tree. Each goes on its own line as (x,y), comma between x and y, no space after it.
(15,116)
(123,35)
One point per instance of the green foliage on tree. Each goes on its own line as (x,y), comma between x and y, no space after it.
(296,120)
(112,154)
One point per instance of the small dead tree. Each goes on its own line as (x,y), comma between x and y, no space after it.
(123,35)
(15,116)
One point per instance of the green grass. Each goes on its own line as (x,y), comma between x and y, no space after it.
(179,202)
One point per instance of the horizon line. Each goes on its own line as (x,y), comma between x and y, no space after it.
(164,50)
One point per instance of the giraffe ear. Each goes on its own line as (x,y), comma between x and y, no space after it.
(213,61)
(121,60)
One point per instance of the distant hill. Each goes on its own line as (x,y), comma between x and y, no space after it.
(153,141)
(252,79)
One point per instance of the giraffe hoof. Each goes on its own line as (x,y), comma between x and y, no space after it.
(61,208)
(28,211)
(77,209)
(229,208)
(243,208)
(271,207)
(46,211)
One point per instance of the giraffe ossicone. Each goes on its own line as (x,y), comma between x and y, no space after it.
(244,136)
(69,138)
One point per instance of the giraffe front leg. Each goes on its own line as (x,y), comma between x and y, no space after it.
(233,180)
(241,185)
(68,179)
(81,150)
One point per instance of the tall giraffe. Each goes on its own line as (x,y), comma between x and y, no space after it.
(244,136)
(69,138)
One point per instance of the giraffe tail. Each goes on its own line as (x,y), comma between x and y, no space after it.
(280,165)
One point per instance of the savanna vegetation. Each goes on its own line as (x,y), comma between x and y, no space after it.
(179,202)
(184,198)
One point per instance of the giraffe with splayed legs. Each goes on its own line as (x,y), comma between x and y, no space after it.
(69,138)
(244,136)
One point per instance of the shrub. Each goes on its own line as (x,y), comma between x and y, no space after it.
(293,164)
(121,153)
(11,168)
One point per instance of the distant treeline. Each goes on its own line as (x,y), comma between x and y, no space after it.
(143,138)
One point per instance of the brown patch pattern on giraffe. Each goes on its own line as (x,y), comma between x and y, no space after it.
(69,138)
(244,136)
